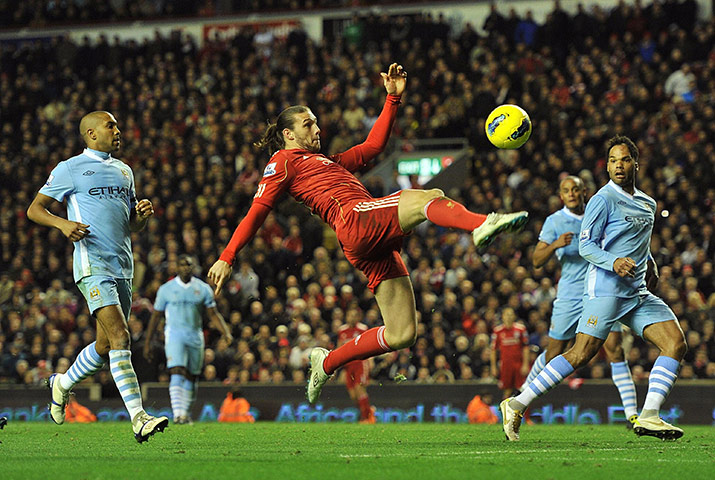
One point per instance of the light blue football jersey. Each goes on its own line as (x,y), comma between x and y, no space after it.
(183,303)
(616,224)
(573,266)
(100,193)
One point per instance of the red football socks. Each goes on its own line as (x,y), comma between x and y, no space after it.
(448,213)
(364,404)
(367,345)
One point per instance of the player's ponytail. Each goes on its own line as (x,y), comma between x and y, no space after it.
(269,140)
(272,138)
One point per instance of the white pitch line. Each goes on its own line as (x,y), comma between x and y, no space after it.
(521,452)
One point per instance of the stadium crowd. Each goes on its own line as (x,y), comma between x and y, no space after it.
(189,116)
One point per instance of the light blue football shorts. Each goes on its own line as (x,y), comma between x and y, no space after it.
(101,291)
(565,315)
(600,313)
(184,348)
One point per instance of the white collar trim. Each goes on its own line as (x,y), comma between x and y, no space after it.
(620,190)
(182,284)
(571,214)
(94,156)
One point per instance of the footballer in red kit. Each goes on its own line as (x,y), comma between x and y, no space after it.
(511,341)
(370,230)
(357,372)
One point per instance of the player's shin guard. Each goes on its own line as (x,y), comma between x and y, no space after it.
(660,382)
(448,213)
(364,346)
(623,380)
(120,364)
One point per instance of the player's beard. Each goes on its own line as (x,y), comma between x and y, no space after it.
(309,145)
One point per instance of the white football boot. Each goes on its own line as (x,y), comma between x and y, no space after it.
(497,223)
(511,420)
(318,377)
(59,399)
(656,427)
(144,425)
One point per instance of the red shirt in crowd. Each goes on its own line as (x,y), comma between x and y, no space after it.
(510,342)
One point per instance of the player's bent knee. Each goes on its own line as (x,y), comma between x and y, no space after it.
(680,348)
(615,354)
(404,339)
(119,339)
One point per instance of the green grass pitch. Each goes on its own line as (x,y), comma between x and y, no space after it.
(209,451)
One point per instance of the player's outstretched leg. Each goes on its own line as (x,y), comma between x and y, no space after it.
(317,377)
(445,212)
(497,223)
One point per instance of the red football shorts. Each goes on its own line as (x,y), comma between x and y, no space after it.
(510,375)
(371,238)
(355,374)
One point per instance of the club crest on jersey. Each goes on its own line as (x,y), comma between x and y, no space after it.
(94,294)
(585,234)
(270,169)
(592,321)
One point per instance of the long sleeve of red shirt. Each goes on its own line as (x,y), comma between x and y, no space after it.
(358,156)
(245,231)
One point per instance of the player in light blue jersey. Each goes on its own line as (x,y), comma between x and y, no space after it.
(615,239)
(556,237)
(102,211)
(181,301)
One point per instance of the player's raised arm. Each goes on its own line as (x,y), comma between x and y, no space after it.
(395,80)
(247,228)
(358,156)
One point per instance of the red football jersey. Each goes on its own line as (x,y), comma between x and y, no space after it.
(325,183)
(347,333)
(510,342)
